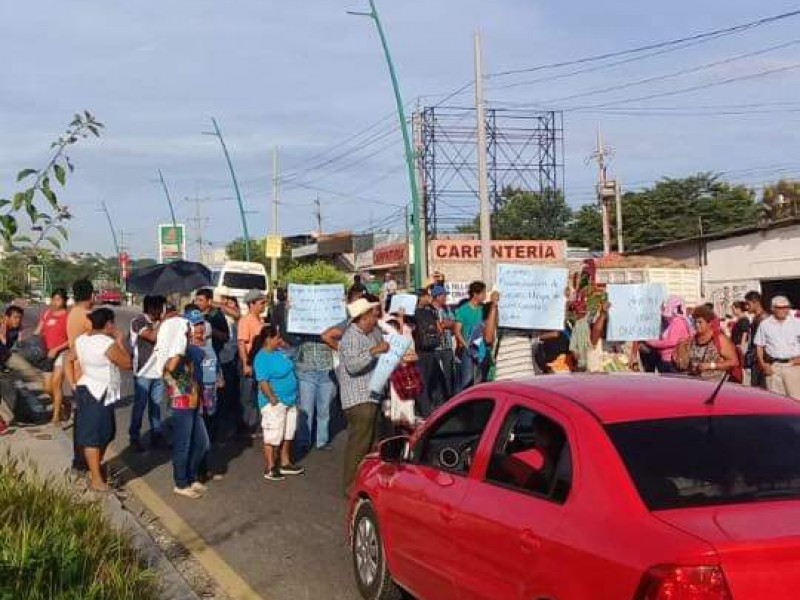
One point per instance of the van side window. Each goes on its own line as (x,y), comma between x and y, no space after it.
(532,455)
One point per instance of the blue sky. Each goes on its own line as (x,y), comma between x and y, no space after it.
(303,76)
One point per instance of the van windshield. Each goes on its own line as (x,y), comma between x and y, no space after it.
(244,281)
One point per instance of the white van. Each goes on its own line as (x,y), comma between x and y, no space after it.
(240,277)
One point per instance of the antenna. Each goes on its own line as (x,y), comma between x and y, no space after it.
(713,397)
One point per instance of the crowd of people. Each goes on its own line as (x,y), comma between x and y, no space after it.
(214,371)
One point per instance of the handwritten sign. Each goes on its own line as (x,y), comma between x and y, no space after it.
(532,297)
(387,363)
(408,302)
(635,312)
(315,308)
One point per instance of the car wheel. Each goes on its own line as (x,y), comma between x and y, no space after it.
(369,560)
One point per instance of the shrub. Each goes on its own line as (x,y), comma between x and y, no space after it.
(316,273)
(56,546)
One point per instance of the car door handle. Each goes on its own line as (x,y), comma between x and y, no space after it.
(529,541)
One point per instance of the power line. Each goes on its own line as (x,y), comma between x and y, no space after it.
(679,73)
(685,90)
(708,35)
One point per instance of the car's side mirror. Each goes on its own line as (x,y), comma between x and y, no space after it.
(394,450)
(533,459)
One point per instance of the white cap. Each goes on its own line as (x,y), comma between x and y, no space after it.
(360,307)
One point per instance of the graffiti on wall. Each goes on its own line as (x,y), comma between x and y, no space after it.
(723,294)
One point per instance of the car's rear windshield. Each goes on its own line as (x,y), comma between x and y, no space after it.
(705,461)
(245,281)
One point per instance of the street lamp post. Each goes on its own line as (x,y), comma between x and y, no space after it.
(218,134)
(410,158)
(169,198)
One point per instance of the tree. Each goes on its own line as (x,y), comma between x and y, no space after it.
(47,215)
(586,228)
(527,216)
(235,251)
(672,209)
(316,273)
(781,200)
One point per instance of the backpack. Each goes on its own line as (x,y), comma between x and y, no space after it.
(736,372)
(427,331)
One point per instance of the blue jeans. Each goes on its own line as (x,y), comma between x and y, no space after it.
(148,393)
(316,395)
(466,372)
(189,445)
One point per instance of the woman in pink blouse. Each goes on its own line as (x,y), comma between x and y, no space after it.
(677,330)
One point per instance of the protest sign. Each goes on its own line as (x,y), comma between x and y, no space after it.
(408,302)
(387,363)
(532,297)
(315,308)
(635,313)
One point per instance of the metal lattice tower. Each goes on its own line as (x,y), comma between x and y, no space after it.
(525,151)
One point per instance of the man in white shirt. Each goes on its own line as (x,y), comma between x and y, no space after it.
(778,349)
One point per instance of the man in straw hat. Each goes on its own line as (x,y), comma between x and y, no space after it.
(359,349)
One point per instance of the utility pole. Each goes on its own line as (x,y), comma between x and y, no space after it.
(605,193)
(198,224)
(416,124)
(618,202)
(483,183)
(275,193)
(408,241)
(409,153)
(169,199)
(218,134)
(318,215)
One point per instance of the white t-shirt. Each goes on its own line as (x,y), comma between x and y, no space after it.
(171,341)
(99,374)
(514,356)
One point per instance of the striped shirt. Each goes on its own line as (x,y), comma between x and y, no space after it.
(356,365)
(515,358)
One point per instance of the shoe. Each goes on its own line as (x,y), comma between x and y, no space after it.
(274,475)
(291,469)
(199,487)
(137,447)
(187,492)
(217,476)
(326,448)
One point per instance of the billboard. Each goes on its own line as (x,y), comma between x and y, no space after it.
(171,243)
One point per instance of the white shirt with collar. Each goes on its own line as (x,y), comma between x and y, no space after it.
(780,339)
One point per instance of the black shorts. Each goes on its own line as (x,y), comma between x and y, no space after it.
(95,426)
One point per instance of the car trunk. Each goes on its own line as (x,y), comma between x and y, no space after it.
(758,545)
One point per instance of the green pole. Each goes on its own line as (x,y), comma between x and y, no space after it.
(218,133)
(116,242)
(410,155)
(169,200)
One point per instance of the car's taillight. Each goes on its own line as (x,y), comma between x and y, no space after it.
(673,582)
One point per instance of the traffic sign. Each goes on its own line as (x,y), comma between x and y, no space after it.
(273,246)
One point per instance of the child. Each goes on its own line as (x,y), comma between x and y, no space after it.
(209,379)
(10,334)
(277,401)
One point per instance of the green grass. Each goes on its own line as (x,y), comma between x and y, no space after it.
(56,546)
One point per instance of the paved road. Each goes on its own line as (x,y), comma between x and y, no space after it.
(285,539)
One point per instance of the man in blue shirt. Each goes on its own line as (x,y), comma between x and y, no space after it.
(277,401)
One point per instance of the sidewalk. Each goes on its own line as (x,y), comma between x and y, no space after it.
(49,450)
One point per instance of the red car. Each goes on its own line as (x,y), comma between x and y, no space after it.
(595,487)
(108,297)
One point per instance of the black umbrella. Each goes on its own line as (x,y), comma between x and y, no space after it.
(179,277)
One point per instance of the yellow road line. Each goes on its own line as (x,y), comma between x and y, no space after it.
(228,579)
